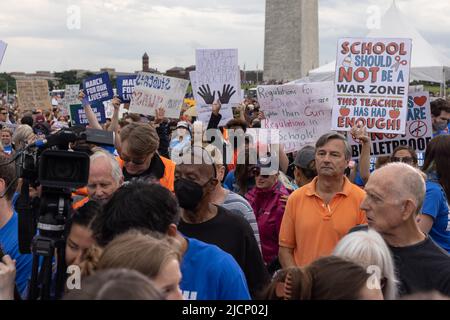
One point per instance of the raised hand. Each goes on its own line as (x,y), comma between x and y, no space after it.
(360,132)
(116,102)
(261,115)
(159,115)
(227,92)
(216,107)
(7,276)
(83,98)
(205,93)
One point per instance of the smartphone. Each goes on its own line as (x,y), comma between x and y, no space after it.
(1,253)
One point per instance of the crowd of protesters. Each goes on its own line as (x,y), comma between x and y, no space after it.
(162,217)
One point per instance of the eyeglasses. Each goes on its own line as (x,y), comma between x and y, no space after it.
(403,159)
(5,113)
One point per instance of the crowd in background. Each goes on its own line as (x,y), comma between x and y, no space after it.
(318,226)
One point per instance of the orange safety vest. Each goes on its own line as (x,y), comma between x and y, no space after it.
(81,192)
(168,178)
(166,181)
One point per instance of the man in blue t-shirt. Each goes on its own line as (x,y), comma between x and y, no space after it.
(208,273)
(205,264)
(9,225)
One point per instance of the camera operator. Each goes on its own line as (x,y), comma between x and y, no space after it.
(9,237)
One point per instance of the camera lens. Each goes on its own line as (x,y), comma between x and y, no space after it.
(64,170)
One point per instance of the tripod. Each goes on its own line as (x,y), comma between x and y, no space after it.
(48,244)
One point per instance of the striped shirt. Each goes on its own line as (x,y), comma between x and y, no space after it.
(238,205)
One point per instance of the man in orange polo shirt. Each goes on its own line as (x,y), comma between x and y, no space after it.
(323,211)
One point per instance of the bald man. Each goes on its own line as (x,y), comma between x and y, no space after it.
(195,184)
(394,198)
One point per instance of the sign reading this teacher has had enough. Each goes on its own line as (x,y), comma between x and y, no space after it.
(371,84)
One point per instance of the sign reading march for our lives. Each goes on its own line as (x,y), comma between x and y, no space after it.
(371,84)
(78,116)
(418,133)
(153,91)
(217,77)
(301,113)
(3,46)
(98,88)
(125,87)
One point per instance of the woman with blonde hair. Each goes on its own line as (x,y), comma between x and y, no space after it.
(153,255)
(22,136)
(368,249)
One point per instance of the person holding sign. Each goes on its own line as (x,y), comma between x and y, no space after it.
(362,168)
(323,211)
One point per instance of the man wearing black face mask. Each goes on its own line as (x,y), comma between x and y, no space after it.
(200,219)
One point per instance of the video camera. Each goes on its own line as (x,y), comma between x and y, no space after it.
(49,163)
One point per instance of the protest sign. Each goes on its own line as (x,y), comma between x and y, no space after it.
(153,91)
(125,87)
(71,93)
(371,84)
(78,116)
(3,46)
(418,133)
(204,110)
(302,113)
(98,88)
(217,77)
(109,110)
(33,94)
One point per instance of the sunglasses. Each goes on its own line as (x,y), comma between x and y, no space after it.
(5,113)
(137,162)
(403,159)
(257,172)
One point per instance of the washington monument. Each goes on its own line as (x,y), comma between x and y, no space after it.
(291,44)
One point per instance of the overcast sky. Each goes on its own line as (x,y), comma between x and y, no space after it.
(115,33)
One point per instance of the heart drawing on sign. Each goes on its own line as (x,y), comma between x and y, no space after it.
(420,101)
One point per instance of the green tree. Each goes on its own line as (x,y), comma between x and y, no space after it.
(7,81)
(67,77)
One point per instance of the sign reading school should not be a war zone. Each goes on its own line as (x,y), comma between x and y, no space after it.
(418,134)
(78,116)
(371,84)
(98,88)
(301,113)
(125,87)
(153,91)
